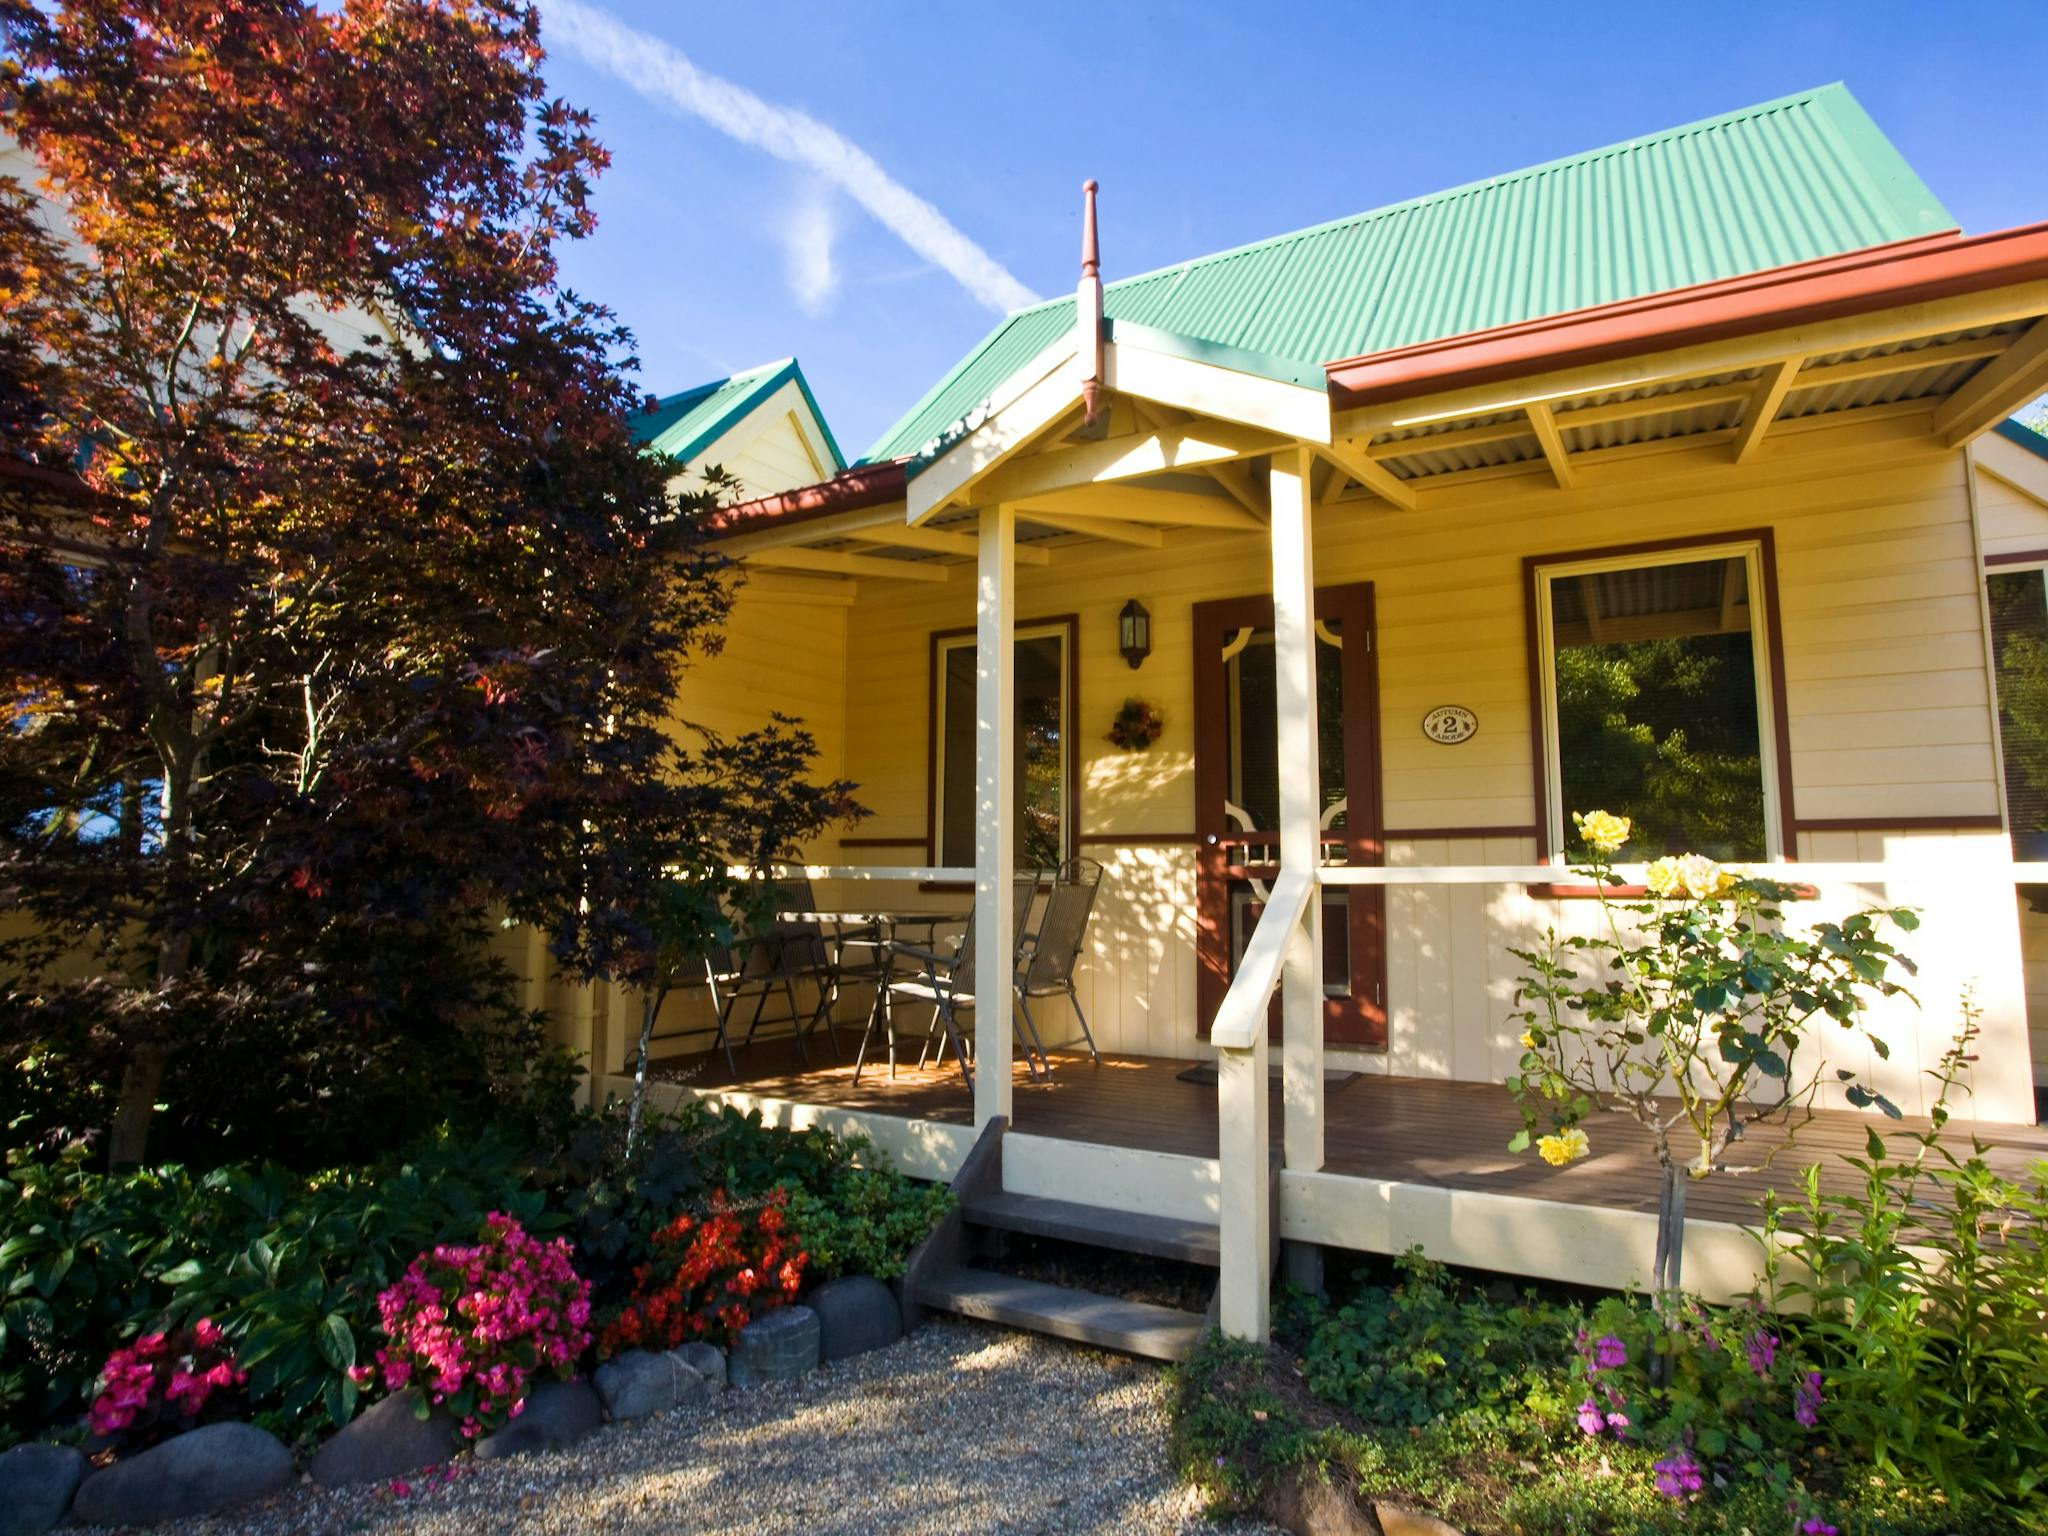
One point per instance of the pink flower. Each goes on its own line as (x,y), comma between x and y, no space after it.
(1680,1475)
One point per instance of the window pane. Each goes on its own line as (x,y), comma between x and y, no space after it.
(2019,639)
(1250,678)
(1041,745)
(1655,669)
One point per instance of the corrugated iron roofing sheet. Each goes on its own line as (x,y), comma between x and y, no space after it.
(683,425)
(1807,176)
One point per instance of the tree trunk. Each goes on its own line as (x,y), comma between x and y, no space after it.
(141,1080)
(648,1011)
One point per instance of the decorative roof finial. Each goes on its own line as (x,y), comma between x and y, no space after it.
(1088,308)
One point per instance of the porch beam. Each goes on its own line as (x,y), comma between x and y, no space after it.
(995,804)
(1136,504)
(1238,479)
(835,562)
(1107,529)
(942,541)
(1997,389)
(1767,396)
(1544,425)
(1885,364)
(1038,396)
(1289,411)
(1195,446)
(837,525)
(2022,301)
(1370,473)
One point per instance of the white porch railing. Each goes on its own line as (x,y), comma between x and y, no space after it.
(923,874)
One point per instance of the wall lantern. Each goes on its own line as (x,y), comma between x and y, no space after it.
(1134,632)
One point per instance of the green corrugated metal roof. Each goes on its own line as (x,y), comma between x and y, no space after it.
(1791,180)
(681,426)
(2013,430)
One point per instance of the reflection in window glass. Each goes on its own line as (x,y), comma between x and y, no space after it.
(1654,668)
(1041,744)
(1250,680)
(2019,639)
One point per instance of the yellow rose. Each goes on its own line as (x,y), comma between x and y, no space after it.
(1602,831)
(1663,878)
(1567,1146)
(1528,1040)
(1702,878)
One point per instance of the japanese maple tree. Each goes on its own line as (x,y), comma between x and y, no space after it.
(345,608)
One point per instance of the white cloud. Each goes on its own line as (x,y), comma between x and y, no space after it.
(808,230)
(659,71)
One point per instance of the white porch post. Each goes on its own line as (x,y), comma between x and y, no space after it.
(1301,804)
(995,820)
(1243,1091)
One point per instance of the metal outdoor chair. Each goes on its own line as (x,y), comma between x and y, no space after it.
(829,961)
(944,981)
(760,967)
(1045,966)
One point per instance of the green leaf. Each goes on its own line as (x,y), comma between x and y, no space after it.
(337,1342)
(1519,1142)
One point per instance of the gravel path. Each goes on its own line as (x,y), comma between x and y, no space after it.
(960,1428)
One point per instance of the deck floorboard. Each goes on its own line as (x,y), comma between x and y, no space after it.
(1413,1130)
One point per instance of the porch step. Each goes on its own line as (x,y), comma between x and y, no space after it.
(1107,1322)
(1159,1237)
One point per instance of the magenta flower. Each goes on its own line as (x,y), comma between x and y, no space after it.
(1609,1353)
(1591,1420)
(1818,1527)
(1806,1400)
(1680,1475)
(1763,1352)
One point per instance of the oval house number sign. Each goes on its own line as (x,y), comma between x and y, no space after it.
(1449,724)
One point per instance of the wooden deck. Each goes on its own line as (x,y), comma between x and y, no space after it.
(1412,1130)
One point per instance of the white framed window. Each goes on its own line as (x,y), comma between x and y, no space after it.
(1042,737)
(2016,599)
(1657,702)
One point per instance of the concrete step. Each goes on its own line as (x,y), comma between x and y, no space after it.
(1133,1327)
(1159,1237)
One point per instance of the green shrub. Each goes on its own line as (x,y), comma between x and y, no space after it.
(1926,1294)
(289,1266)
(1405,1355)
(866,1221)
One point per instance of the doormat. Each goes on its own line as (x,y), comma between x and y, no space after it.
(1204,1073)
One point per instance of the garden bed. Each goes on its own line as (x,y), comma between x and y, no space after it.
(179,1344)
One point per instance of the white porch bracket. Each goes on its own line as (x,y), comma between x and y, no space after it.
(1286,945)
(995,819)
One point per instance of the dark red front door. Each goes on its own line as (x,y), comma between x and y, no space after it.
(1237,808)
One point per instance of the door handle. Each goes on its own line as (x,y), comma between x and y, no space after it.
(1212,839)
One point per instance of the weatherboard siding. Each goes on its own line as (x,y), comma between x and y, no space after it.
(1888,705)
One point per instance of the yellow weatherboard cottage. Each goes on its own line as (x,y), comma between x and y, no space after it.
(1661,480)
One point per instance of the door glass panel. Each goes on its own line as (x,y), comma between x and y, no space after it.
(1246,903)
(1249,682)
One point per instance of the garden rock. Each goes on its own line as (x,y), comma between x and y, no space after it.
(1305,1502)
(639,1384)
(386,1441)
(707,1360)
(36,1485)
(1397,1521)
(782,1345)
(856,1313)
(557,1414)
(210,1468)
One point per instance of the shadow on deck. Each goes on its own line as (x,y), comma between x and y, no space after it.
(1422,1131)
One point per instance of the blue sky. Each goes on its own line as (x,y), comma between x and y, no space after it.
(1208,126)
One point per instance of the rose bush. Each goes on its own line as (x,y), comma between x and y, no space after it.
(474,1325)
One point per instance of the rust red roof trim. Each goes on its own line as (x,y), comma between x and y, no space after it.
(865,485)
(1880,277)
